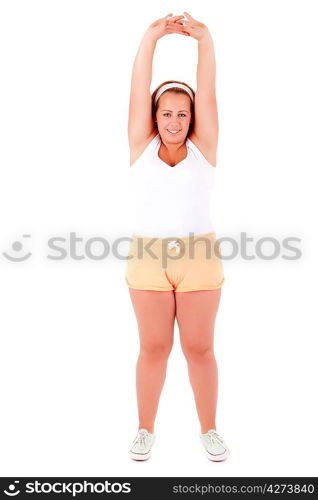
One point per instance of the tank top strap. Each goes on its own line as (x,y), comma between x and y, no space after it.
(197,153)
(147,152)
(152,146)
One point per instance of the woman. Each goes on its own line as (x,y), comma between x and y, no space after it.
(173,140)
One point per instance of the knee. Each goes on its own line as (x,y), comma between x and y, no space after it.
(156,350)
(198,351)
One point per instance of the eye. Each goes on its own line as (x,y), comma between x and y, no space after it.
(182,114)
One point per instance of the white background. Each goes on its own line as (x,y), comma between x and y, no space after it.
(69,338)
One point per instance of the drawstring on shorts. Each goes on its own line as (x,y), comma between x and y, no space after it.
(174,244)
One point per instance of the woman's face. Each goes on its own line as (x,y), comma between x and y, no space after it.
(173,116)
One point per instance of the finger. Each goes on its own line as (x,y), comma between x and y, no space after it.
(175,27)
(171,30)
(175,18)
(166,18)
(183,22)
(188,15)
(178,24)
(178,33)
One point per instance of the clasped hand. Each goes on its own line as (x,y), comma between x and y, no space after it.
(178,24)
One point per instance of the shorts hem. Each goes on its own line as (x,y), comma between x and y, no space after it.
(198,289)
(150,288)
(201,288)
(180,289)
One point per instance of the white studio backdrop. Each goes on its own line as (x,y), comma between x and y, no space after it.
(69,338)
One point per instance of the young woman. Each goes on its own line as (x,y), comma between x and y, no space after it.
(173,136)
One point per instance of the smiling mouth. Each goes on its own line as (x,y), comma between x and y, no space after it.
(173,132)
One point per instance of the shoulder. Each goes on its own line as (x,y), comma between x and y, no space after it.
(209,152)
(137,150)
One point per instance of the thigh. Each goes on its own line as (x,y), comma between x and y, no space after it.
(195,313)
(155,314)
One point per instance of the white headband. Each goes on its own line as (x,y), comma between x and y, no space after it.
(169,86)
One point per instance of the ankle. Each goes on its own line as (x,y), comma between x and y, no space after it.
(148,427)
(204,430)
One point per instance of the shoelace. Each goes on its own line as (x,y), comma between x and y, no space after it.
(141,438)
(215,438)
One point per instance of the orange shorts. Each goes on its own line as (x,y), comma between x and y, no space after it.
(181,264)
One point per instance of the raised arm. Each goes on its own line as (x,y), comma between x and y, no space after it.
(205,106)
(140,123)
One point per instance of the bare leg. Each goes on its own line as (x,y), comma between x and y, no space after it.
(155,313)
(195,313)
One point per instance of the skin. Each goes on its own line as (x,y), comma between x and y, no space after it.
(157,311)
(195,313)
(204,133)
(173,114)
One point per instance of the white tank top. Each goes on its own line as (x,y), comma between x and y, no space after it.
(171,201)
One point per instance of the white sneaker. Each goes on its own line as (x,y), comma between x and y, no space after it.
(142,444)
(215,447)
